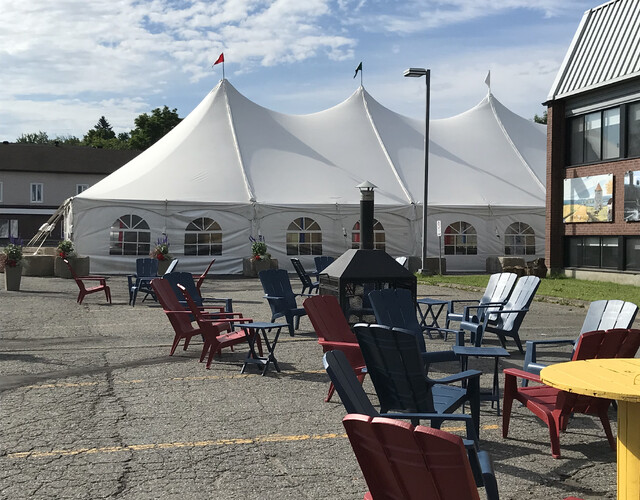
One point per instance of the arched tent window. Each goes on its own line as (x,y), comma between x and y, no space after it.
(304,237)
(203,236)
(130,235)
(519,239)
(460,238)
(378,235)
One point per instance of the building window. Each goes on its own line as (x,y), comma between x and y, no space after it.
(592,251)
(378,235)
(8,228)
(632,254)
(304,237)
(594,137)
(460,238)
(130,235)
(519,239)
(633,129)
(37,189)
(81,187)
(203,236)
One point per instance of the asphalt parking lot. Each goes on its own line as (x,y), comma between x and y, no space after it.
(92,406)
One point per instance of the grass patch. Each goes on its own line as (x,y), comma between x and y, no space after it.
(553,286)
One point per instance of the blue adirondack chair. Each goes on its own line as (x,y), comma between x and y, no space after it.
(504,322)
(497,293)
(601,315)
(307,282)
(282,300)
(146,270)
(355,400)
(321,262)
(396,308)
(397,371)
(186,280)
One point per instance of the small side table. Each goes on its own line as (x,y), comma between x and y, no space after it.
(261,328)
(484,352)
(433,309)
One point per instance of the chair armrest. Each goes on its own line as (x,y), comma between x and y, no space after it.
(488,475)
(515,372)
(535,343)
(530,357)
(439,356)
(457,377)
(339,345)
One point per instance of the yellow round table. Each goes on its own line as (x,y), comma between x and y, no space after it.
(617,379)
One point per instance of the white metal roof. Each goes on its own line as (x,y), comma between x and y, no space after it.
(604,49)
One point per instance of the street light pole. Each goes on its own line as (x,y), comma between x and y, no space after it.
(417,73)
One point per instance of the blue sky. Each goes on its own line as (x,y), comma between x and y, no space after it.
(64,64)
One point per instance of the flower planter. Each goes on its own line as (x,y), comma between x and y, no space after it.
(12,278)
(38,265)
(251,268)
(80,265)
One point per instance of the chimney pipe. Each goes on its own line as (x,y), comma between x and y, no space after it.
(366,215)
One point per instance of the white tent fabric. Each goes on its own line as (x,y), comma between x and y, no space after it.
(254,171)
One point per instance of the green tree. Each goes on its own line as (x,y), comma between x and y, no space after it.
(150,128)
(39,137)
(43,138)
(540,119)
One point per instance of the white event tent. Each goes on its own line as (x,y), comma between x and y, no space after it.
(254,171)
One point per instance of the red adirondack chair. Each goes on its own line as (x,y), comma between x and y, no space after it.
(553,406)
(334,332)
(199,278)
(84,290)
(180,318)
(400,461)
(214,340)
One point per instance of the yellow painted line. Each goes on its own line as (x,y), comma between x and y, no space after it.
(63,385)
(273,438)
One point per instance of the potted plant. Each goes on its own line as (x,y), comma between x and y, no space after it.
(260,259)
(65,249)
(80,265)
(13,265)
(161,252)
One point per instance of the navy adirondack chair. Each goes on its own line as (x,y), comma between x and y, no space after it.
(601,315)
(497,293)
(553,406)
(400,461)
(282,300)
(322,262)
(395,365)
(186,280)
(355,400)
(504,322)
(146,270)
(307,282)
(396,308)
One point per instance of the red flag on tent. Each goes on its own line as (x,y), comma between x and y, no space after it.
(220,59)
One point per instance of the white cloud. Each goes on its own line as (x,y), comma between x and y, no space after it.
(70,61)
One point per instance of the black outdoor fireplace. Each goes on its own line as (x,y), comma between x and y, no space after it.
(358,271)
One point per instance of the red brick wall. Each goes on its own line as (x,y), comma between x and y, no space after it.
(556,229)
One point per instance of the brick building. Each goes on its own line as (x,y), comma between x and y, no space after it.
(593,149)
(36,179)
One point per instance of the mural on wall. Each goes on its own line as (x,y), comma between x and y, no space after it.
(588,199)
(632,196)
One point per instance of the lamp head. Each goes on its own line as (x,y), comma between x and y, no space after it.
(415,72)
